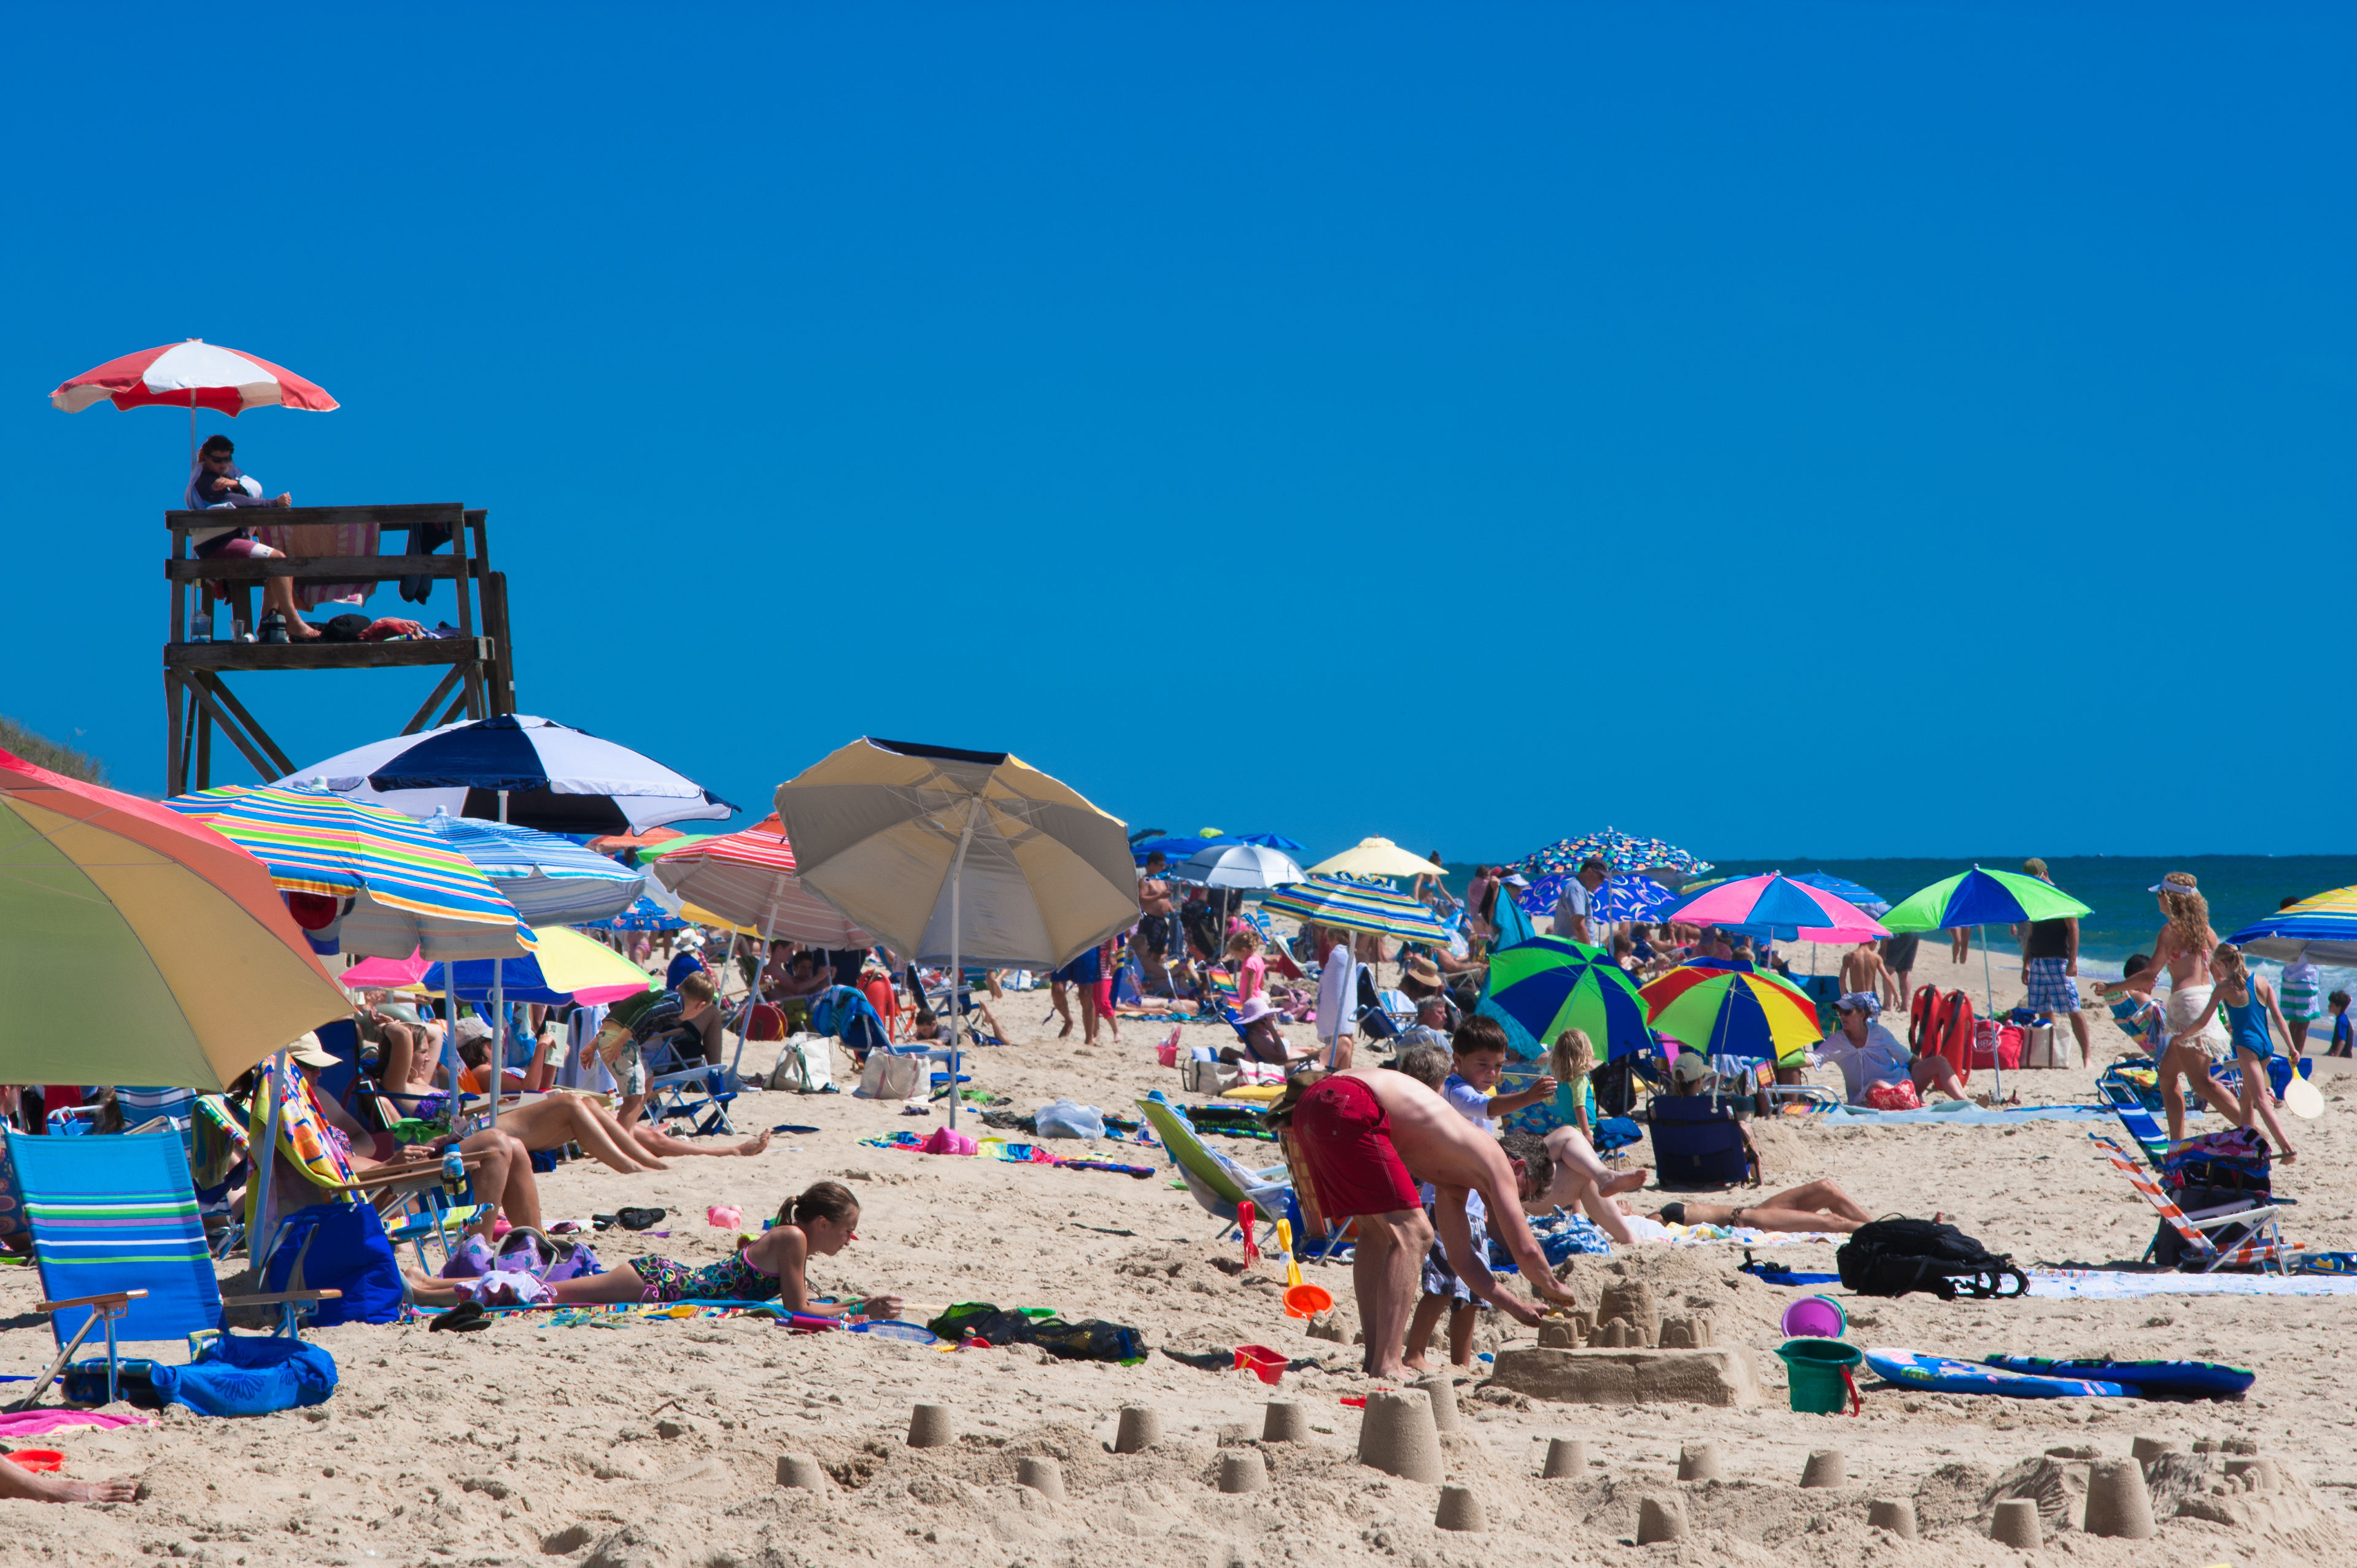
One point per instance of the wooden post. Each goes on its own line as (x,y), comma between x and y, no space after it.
(176,767)
(219,689)
(202,718)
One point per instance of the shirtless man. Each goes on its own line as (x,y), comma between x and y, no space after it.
(1154,922)
(1862,968)
(1366,1137)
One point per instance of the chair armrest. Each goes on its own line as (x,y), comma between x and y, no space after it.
(115,1300)
(2235,1216)
(281,1297)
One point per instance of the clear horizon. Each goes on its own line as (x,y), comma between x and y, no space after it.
(1848,425)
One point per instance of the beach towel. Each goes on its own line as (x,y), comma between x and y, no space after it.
(241,1374)
(322,539)
(1962,1113)
(2108,1284)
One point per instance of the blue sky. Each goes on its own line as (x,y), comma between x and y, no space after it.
(1840,429)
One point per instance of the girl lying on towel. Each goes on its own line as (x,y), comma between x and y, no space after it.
(821,1222)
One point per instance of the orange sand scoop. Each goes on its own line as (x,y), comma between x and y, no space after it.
(1300,1300)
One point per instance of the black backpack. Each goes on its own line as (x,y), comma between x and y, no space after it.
(1892,1257)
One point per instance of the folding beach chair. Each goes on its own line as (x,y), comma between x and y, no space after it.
(679,1085)
(1698,1142)
(1218,1183)
(2264,1247)
(120,1246)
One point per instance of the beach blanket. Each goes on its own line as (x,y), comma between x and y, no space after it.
(1560,1235)
(340,539)
(1960,1113)
(41,1422)
(2104,1284)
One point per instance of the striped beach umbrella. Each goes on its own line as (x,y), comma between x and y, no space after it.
(1357,907)
(1540,987)
(2321,928)
(1784,908)
(552,881)
(389,887)
(1724,1011)
(567,967)
(137,947)
(749,879)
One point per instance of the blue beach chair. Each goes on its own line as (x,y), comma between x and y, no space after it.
(118,1239)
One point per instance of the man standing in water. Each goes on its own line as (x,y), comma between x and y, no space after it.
(1366,1137)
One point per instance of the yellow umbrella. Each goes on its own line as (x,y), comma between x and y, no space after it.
(1376,857)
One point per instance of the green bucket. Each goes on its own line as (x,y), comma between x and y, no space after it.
(1817,1373)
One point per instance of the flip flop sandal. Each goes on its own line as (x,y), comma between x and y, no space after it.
(790,1127)
(467,1317)
(638,1218)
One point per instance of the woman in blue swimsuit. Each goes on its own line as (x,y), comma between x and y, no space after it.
(820,1223)
(2247,1020)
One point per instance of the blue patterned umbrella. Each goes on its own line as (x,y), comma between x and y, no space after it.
(1631,898)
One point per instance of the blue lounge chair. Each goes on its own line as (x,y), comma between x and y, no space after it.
(120,1245)
(1698,1142)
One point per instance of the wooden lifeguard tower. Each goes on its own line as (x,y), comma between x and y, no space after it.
(479,678)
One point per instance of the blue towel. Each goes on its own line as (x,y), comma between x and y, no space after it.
(248,1375)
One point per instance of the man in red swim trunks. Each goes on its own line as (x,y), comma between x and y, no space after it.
(1366,1137)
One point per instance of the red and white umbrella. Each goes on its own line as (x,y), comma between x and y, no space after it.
(748,878)
(192,375)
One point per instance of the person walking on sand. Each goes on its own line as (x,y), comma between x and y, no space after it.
(2050,966)
(2197,1040)
(1366,1137)
(2249,1004)
(1862,968)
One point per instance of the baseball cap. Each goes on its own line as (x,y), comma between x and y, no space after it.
(1692,1067)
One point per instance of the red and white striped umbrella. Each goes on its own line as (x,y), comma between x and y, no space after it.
(747,877)
(192,375)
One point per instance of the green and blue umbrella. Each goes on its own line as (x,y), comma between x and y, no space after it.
(1539,988)
(1979,897)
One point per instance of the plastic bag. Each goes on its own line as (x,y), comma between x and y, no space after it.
(1066,1120)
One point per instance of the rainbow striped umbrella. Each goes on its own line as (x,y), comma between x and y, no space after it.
(399,888)
(136,947)
(1722,1010)
(749,880)
(1357,907)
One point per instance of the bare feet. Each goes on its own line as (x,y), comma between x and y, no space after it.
(1627,1181)
(302,630)
(755,1146)
(32,1486)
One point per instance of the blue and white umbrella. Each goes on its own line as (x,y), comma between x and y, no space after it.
(1849,892)
(1631,898)
(554,778)
(552,881)
(648,914)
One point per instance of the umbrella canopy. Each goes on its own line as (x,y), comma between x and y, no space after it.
(2321,928)
(1375,857)
(747,880)
(194,374)
(1245,865)
(1357,907)
(1786,909)
(408,891)
(630,844)
(1725,1012)
(1848,892)
(1175,850)
(1979,897)
(558,778)
(137,946)
(567,967)
(1631,897)
(1547,984)
(657,909)
(1619,852)
(647,855)
(552,881)
(898,835)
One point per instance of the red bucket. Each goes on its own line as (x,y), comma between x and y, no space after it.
(1266,1364)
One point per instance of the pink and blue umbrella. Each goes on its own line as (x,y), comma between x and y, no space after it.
(1779,906)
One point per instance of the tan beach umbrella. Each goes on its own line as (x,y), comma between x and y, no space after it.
(1375,857)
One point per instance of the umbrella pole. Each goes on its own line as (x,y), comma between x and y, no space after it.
(265,1167)
(1988,989)
(498,1011)
(957,975)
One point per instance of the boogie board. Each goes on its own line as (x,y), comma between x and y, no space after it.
(2152,1380)
(1940,1375)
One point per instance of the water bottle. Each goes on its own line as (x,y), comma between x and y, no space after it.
(243,635)
(200,629)
(454,1171)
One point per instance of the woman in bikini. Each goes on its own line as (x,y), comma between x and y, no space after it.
(820,1223)
(2249,1005)
(2196,1041)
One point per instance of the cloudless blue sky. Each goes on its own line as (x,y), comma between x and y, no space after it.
(1833,429)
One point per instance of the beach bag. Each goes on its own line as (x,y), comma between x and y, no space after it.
(1064,1119)
(1895,1257)
(805,1065)
(887,1077)
(765,1023)
(1198,1076)
(341,1247)
(1898,1096)
(1996,1045)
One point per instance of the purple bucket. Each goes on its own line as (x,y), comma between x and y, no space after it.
(1815,1317)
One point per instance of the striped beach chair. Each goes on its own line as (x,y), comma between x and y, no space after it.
(2265,1247)
(121,1247)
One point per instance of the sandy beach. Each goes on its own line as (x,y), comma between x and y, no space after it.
(657,1442)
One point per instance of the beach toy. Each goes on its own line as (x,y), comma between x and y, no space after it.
(48,1460)
(1944,1375)
(1265,1364)
(1817,1372)
(723,1217)
(1815,1317)
(1460,1510)
(2302,1099)
(2153,1379)
(1300,1300)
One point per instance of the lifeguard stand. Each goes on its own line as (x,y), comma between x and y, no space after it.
(479,679)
